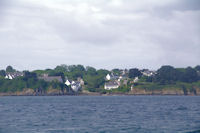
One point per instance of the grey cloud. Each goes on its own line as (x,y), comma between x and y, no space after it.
(178,5)
(73,32)
(103,34)
(188,5)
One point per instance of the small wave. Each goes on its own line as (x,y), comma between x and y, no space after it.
(60,129)
(196,131)
(182,108)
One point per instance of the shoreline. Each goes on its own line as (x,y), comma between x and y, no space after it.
(133,92)
(85,94)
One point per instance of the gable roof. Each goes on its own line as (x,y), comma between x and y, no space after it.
(52,78)
(111,83)
(12,75)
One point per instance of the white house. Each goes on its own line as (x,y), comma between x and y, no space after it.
(136,79)
(147,72)
(67,82)
(121,77)
(108,77)
(111,85)
(75,85)
(111,77)
(12,75)
(8,76)
(81,81)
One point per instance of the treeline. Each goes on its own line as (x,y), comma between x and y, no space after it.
(186,80)
(29,80)
(171,75)
(94,79)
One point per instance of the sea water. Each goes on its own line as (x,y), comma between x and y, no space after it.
(99,114)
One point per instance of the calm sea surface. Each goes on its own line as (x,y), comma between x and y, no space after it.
(99,114)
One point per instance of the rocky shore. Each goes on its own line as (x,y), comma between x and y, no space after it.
(135,91)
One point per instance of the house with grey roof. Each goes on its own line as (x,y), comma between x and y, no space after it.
(111,77)
(68,82)
(111,85)
(76,86)
(48,78)
(12,75)
(147,72)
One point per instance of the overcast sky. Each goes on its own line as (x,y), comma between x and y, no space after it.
(40,34)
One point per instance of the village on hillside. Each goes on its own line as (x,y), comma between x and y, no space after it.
(77,79)
(112,80)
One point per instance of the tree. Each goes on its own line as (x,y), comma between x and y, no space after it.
(75,71)
(29,75)
(167,74)
(94,81)
(91,70)
(116,71)
(61,68)
(103,72)
(10,69)
(190,75)
(43,84)
(197,68)
(134,73)
(76,68)
(2,73)
(80,68)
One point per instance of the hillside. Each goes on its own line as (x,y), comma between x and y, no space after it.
(80,80)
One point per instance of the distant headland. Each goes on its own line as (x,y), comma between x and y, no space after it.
(80,80)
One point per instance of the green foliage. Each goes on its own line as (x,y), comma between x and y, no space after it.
(94,81)
(197,68)
(166,77)
(74,71)
(116,71)
(61,68)
(90,71)
(12,85)
(148,86)
(39,72)
(190,75)
(10,69)
(134,73)
(29,75)
(124,89)
(29,80)
(91,89)
(170,75)
(102,72)
(2,73)
(93,78)
(186,87)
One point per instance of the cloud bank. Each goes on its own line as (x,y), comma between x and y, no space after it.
(39,34)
